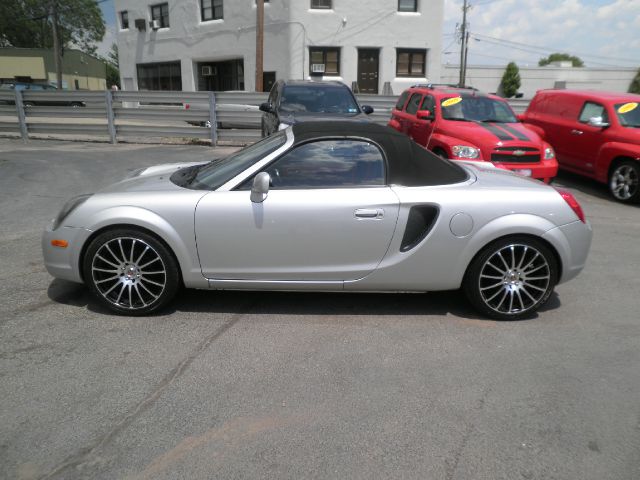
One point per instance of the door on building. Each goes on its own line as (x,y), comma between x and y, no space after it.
(368,62)
(268,79)
(221,76)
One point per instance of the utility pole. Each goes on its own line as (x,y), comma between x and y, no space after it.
(466,53)
(259,44)
(464,35)
(57,57)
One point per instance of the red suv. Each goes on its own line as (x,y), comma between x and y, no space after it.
(464,124)
(596,134)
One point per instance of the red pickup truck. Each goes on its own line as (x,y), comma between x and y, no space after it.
(464,124)
(596,134)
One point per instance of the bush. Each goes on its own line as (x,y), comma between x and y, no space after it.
(634,87)
(510,82)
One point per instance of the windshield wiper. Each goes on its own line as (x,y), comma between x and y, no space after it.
(188,174)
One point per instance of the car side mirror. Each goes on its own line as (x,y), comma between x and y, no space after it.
(367,109)
(425,115)
(266,107)
(260,187)
(597,122)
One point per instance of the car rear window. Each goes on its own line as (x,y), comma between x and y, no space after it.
(402,100)
(318,100)
(628,114)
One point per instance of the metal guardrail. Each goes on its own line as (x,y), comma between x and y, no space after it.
(231,117)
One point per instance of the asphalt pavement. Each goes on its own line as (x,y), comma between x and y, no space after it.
(302,385)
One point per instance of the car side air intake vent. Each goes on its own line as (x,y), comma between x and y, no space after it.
(420,222)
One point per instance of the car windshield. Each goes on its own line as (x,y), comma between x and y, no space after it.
(316,99)
(218,172)
(628,114)
(476,109)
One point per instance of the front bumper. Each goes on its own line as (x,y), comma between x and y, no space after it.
(544,171)
(60,262)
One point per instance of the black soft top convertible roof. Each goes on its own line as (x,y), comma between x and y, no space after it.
(408,163)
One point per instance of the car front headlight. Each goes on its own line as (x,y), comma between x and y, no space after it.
(69,207)
(464,151)
(549,154)
(282,126)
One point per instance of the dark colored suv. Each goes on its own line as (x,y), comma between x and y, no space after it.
(295,101)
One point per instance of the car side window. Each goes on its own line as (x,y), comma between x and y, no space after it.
(329,164)
(591,110)
(414,103)
(428,103)
(402,100)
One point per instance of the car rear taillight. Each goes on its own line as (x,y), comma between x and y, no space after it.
(572,202)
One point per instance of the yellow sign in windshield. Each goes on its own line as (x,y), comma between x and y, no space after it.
(451,101)
(627,107)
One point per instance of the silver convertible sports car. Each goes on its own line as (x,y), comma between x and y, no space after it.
(326,206)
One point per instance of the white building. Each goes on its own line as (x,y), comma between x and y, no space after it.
(193,45)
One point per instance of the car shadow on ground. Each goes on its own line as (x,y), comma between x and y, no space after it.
(295,303)
(582,184)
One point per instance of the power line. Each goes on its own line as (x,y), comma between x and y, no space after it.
(535,48)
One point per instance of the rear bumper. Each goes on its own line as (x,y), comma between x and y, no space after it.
(572,242)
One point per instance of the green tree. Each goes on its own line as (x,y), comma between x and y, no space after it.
(561,57)
(29,23)
(56,24)
(510,82)
(634,87)
(113,67)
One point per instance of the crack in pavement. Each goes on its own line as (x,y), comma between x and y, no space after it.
(83,455)
(452,466)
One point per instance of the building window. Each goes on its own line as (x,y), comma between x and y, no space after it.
(324,61)
(407,5)
(411,62)
(160,13)
(124,20)
(211,10)
(324,4)
(160,76)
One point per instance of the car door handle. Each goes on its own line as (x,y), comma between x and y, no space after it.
(369,213)
(576,132)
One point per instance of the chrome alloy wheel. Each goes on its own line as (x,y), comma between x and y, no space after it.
(624,182)
(129,273)
(514,279)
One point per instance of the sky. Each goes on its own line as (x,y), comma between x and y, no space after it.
(603,33)
(109,13)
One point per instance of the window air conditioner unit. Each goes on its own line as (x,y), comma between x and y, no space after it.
(208,70)
(317,68)
(154,24)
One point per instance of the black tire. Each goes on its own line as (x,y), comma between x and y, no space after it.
(624,181)
(130,272)
(515,286)
(28,104)
(76,105)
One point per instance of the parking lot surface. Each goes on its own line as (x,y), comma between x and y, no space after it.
(301,385)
